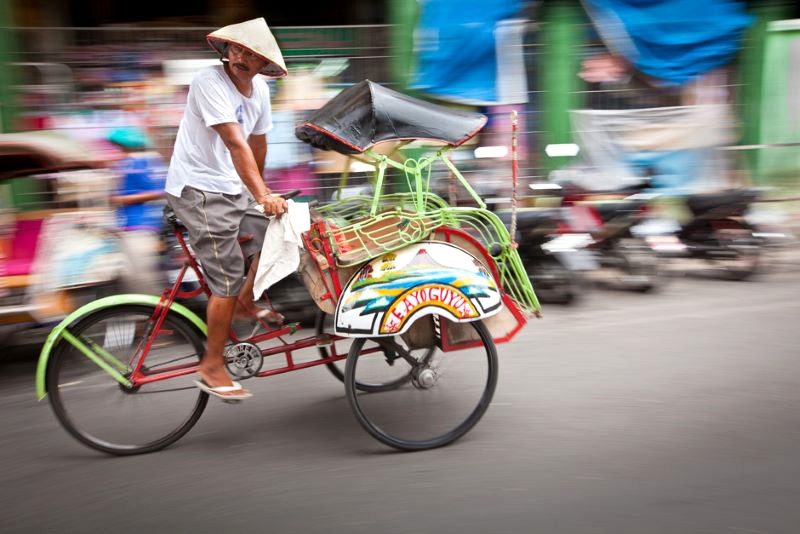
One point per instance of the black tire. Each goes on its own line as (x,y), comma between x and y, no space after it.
(552,281)
(640,265)
(342,346)
(93,422)
(428,429)
(741,250)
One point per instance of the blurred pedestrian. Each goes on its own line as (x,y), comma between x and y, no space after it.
(139,198)
(216,171)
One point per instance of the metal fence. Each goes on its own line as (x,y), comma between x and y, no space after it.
(86,79)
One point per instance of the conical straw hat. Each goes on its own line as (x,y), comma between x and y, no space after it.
(255,36)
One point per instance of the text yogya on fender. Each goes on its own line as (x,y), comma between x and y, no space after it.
(441,296)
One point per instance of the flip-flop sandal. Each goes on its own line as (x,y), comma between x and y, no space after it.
(225,393)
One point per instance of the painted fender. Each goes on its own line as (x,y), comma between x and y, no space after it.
(385,296)
(107,302)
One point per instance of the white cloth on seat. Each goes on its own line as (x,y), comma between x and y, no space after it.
(280,253)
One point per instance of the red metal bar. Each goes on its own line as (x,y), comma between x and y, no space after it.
(140,379)
(298,366)
(271,333)
(160,315)
(312,363)
(190,259)
(330,257)
(289,347)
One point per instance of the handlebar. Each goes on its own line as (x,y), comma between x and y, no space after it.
(286,196)
(291,194)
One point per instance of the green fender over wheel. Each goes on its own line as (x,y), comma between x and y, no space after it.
(107,302)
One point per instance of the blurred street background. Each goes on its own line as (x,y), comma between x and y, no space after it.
(657,212)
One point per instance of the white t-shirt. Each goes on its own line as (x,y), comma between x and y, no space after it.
(200,158)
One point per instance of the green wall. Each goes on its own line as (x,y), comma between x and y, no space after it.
(779,120)
(751,70)
(7,104)
(403,16)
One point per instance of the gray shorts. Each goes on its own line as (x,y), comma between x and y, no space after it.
(215,222)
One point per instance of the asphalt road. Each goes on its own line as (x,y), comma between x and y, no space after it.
(670,413)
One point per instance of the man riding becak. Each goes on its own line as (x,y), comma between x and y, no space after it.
(221,146)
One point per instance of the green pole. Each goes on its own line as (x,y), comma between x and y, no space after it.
(7,50)
(751,80)
(403,18)
(557,73)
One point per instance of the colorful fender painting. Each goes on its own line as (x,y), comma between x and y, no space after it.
(389,293)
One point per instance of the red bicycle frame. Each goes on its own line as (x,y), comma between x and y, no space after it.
(139,377)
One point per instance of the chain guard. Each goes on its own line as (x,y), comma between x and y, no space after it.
(243,360)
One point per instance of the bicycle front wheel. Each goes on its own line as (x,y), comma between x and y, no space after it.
(108,416)
(447,395)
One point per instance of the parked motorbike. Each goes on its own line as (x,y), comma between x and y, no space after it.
(717,233)
(608,217)
(555,262)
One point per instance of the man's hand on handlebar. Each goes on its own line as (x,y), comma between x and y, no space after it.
(273,204)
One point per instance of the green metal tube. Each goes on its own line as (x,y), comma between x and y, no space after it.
(464,182)
(378,186)
(100,362)
(107,356)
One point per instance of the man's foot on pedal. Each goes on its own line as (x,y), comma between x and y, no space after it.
(253,312)
(271,317)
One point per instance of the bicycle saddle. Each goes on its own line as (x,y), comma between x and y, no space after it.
(172,219)
(731,201)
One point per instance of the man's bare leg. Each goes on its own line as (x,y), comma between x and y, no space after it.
(244,302)
(219,314)
(245,305)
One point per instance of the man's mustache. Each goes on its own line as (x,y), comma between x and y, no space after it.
(240,66)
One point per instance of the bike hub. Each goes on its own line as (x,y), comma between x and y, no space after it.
(425,378)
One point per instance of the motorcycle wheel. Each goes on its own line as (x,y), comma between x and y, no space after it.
(552,281)
(639,264)
(741,250)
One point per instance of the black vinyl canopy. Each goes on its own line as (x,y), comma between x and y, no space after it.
(367,113)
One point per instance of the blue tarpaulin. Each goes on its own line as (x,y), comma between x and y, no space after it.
(456,56)
(672,40)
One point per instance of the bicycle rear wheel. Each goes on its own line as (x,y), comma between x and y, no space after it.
(447,395)
(109,417)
